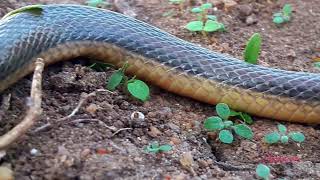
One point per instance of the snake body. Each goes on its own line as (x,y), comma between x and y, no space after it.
(62,32)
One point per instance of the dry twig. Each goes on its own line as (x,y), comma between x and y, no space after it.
(112,128)
(33,113)
(82,100)
(119,130)
(5,105)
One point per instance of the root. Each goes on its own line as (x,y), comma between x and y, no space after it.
(33,112)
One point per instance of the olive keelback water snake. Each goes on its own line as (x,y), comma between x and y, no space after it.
(63,32)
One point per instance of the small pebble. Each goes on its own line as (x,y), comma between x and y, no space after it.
(228,4)
(34,152)
(137,116)
(203,163)
(291,53)
(186,160)
(173,127)
(154,132)
(252,19)
(175,140)
(244,10)
(92,109)
(85,153)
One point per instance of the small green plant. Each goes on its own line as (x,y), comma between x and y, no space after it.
(316,64)
(96,3)
(205,23)
(178,2)
(284,15)
(224,126)
(99,66)
(263,171)
(244,116)
(251,53)
(283,136)
(172,12)
(156,148)
(137,88)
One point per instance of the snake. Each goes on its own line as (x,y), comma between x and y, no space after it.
(63,32)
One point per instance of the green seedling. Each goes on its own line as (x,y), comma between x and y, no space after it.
(316,64)
(284,15)
(137,88)
(97,3)
(224,126)
(172,12)
(99,66)
(251,53)
(283,136)
(263,171)
(178,2)
(205,23)
(156,148)
(243,116)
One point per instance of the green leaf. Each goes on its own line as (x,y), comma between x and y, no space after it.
(99,66)
(213,123)
(284,139)
(297,136)
(278,20)
(32,9)
(195,26)
(206,6)
(316,64)
(94,3)
(115,80)
(212,17)
(176,1)
(227,124)
(196,10)
(246,118)
(277,14)
(138,89)
(263,171)
(271,138)
(222,28)
(223,110)
(287,10)
(226,136)
(154,144)
(211,26)
(286,18)
(234,113)
(151,150)
(282,129)
(153,147)
(165,148)
(252,50)
(168,13)
(243,131)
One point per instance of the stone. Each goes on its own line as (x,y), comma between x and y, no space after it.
(252,19)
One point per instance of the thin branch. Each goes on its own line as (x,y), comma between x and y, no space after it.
(112,128)
(119,130)
(34,111)
(83,99)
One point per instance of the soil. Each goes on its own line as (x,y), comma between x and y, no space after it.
(87,146)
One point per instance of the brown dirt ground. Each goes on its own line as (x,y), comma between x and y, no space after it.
(73,150)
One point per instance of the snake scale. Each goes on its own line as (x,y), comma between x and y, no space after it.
(63,32)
